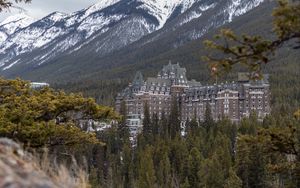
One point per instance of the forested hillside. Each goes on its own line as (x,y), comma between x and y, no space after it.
(80,43)
(251,154)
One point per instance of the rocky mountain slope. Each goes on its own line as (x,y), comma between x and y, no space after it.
(12,24)
(63,45)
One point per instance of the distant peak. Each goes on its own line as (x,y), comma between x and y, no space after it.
(163,9)
(58,13)
(56,16)
(101,5)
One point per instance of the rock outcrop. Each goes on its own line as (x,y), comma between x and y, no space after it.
(20,169)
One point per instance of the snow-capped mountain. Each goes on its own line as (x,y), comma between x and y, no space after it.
(141,17)
(108,26)
(14,23)
(203,16)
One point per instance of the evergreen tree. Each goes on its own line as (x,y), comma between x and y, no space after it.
(194,127)
(268,122)
(254,52)
(187,128)
(123,130)
(186,183)
(211,173)
(208,119)
(164,127)
(194,164)
(5,4)
(127,171)
(229,129)
(178,155)
(146,169)
(155,126)
(250,164)
(233,181)
(147,126)
(248,125)
(174,120)
(164,171)
(222,147)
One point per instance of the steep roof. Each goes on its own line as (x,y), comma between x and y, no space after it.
(138,79)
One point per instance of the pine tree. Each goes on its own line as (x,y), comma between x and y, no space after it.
(146,170)
(123,130)
(194,127)
(163,124)
(249,125)
(174,120)
(194,164)
(155,126)
(208,119)
(5,4)
(127,171)
(178,155)
(233,181)
(147,126)
(222,153)
(164,171)
(250,163)
(186,183)
(254,52)
(211,173)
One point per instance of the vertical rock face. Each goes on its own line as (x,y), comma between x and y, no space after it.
(108,26)
(19,169)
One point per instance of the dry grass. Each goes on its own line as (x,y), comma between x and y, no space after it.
(61,175)
(22,169)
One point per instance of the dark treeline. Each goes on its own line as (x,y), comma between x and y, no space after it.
(206,154)
(103,91)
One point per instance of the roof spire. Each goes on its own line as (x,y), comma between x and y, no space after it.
(138,78)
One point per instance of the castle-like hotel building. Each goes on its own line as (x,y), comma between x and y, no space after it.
(232,100)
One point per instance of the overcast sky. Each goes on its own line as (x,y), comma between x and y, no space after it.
(41,8)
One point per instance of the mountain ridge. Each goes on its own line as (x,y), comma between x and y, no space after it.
(73,41)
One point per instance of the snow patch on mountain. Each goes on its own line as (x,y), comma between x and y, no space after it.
(100,5)
(120,36)
(240,7)
(14,23)
(11,65)
(207,7)
(76,17)
(196,13)
(48,36)
(91,24)
(3,36)
(56,16)
(186,4)
(192,15)
(163,9)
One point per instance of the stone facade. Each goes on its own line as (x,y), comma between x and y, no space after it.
(233,100)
